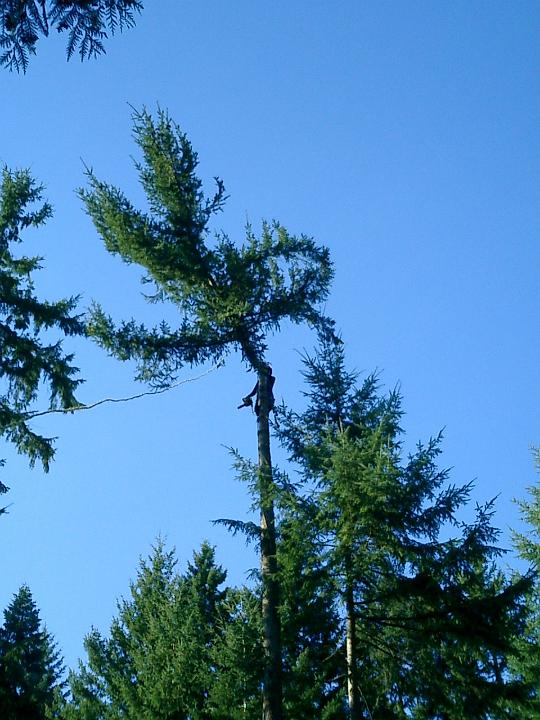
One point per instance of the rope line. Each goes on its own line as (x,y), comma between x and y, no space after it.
(75,408)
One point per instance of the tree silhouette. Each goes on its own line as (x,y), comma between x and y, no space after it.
(86,23)
(30,665)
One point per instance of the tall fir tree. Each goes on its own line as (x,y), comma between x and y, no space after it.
(428,619)
(228,298)
(31,669)
(30,355)
(86,23)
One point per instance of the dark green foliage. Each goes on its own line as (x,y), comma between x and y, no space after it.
(313,661)
(86,23)
(228,297)
(312,658)
(525,663)
(235,693)
(430,620)
(30,666)
(528,544)
(179,648)
(30,355)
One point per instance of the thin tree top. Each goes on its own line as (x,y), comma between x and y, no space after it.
(229,296)
(86,23)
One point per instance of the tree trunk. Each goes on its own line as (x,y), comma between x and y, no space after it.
(352,672)
(272,683)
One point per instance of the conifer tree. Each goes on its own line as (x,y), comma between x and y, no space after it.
(525,663)
(31,668)
(237,657)
(158,662)
(86,23)
(228,298)
(429,622)
(30,356)
(313,661)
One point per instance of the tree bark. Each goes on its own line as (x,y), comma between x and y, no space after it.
(352,674)
(272,681)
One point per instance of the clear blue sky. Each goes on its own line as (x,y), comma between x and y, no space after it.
(403,135)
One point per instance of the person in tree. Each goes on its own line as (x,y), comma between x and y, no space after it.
(247,400)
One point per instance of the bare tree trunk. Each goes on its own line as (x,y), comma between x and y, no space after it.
(272,682)
(352,670)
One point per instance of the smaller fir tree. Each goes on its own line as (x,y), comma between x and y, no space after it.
(158,662)
(31,668)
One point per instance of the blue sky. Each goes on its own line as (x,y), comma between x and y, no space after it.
(405,137)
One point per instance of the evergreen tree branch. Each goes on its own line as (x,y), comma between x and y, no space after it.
(87,24)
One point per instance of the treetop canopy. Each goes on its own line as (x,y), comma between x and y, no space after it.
(229,296)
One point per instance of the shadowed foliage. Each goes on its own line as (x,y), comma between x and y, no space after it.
(86,23)
(31,355)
